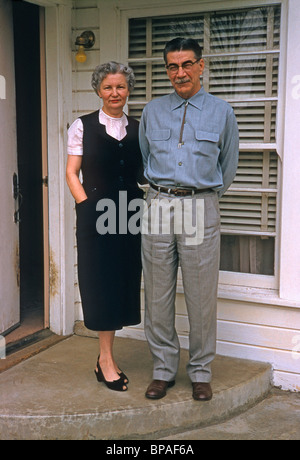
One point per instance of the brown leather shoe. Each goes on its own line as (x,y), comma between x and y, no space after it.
(202,391)
(158,389)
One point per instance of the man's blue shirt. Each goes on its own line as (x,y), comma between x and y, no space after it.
(208,157)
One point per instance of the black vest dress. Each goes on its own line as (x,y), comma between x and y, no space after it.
(109,256)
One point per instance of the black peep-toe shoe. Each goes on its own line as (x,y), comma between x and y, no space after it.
(116,385)
(124,377)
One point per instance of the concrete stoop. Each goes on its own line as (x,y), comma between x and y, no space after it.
(55,395)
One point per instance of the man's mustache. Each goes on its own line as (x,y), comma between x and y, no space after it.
(182,80)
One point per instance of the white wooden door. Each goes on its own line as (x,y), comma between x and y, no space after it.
(9,231)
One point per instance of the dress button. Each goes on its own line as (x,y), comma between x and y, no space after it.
(122,162)
(120,145)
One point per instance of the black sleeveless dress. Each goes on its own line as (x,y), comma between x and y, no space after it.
(109,255)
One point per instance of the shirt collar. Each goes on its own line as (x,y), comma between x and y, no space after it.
(103,118)
(196,100)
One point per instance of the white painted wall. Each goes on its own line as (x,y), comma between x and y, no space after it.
(255,324)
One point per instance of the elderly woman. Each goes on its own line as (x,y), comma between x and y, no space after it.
(104,146)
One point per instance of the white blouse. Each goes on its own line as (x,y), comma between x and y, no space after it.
(115,127)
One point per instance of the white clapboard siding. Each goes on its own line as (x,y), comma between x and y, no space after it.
(81,81)
(86,101)
(261,336)
(85,17)
(281,361)
(258,313)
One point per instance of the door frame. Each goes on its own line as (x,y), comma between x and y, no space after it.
(58,77)
(45,198)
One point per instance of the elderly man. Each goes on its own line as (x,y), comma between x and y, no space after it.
(189,142)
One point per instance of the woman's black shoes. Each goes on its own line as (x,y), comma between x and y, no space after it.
(116,385)
(124,377)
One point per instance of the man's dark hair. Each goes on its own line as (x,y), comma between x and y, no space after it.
(183,44)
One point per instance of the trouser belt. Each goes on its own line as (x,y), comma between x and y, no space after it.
(179,191)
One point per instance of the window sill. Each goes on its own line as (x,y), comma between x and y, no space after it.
(246,294)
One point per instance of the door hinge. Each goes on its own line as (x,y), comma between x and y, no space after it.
(45,181)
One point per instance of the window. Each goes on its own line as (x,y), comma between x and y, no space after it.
(241,53)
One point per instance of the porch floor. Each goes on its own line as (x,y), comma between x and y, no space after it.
(54,395)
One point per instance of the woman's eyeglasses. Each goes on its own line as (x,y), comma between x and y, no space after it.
(174,68)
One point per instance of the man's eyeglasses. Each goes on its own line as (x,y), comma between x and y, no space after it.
(174,68)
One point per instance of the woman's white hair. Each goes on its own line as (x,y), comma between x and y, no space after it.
(112,67)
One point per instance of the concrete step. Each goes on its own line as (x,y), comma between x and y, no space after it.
(55,395)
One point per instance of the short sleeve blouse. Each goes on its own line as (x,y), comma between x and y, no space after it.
(115,127)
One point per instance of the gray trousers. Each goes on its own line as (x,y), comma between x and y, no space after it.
(162,252)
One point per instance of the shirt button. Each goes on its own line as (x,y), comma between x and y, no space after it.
(120,145)
(180,163)
(122,162)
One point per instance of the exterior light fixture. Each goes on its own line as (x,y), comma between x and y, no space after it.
(85,41)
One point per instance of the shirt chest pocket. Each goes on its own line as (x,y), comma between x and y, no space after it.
(207,143)
(160,134)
